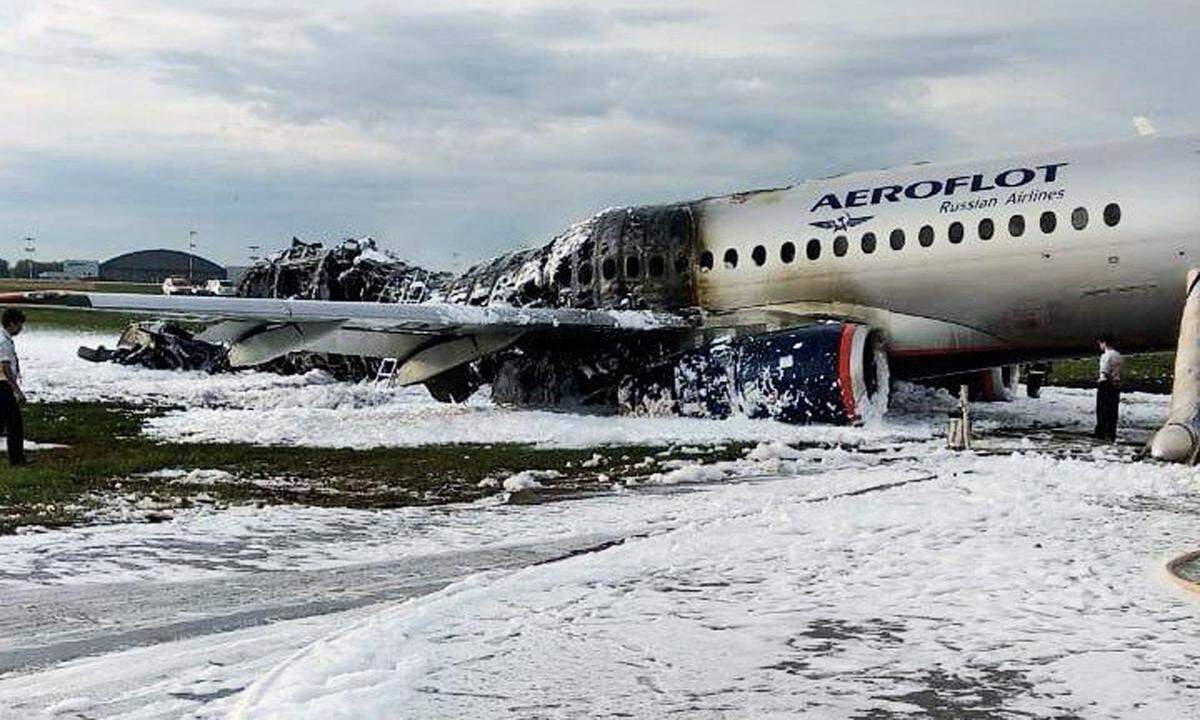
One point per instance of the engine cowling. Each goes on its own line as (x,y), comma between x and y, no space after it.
(833,373)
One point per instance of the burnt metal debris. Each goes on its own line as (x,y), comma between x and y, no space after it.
(161,346)
(353,270)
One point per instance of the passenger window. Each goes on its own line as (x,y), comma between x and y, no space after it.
(814,249)
(633,266)
(731,258)
(868,243)
(563,276)
(1049,222)
(759,255)
(987,229)
(1112,215)
(955,233)
(897,239)
(841,246)
(658,266)
(585,274)
(706,261)
(609,269)
(1079,218)
(787,252)
(925,236)
(1016,225)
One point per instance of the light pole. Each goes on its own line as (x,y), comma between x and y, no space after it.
(31,249)
(254,252)
(192,235)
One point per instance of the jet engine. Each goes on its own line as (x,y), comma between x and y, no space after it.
(833,372)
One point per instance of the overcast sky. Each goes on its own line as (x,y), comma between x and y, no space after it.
(454,133)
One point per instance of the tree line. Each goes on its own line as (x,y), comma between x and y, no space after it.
(21,268)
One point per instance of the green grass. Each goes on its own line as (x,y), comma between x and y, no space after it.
(23,284)
(1149,372)
(72,319)
(106,449)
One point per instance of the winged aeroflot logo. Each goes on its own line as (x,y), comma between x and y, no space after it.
(844,223)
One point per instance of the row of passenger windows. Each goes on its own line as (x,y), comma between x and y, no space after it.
(955,233)
(656,267)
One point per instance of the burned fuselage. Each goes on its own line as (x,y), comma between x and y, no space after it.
(634,258)
(637,258)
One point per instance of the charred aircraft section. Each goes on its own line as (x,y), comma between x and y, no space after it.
(353,270)
(636,258)
(161,346)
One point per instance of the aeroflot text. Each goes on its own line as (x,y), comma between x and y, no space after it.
(925,189)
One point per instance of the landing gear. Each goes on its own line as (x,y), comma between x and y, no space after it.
(998,384)
(1035,378)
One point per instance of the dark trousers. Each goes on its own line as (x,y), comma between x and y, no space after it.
(1108,399)
(13,425)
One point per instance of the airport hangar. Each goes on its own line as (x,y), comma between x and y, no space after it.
(154,266)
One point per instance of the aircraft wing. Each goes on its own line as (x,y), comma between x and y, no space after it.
(425,338)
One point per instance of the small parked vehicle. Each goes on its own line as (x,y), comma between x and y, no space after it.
(220,288)
(177,286)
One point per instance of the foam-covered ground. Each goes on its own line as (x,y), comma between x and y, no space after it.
(313,410)
(1015,586)
(882,578)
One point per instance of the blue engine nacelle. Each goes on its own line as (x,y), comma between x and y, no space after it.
(835,373)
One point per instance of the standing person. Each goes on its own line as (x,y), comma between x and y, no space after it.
(1108,390)
(11,396)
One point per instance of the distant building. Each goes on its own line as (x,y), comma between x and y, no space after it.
(154,266)
(81,269)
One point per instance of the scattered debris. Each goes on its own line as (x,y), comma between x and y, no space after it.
(161,346)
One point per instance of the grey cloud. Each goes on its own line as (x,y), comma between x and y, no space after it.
(467,71)
(690,125)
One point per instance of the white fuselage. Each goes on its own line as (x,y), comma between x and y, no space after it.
(1039,294)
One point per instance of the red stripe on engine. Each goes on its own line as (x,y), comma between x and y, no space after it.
(845,379)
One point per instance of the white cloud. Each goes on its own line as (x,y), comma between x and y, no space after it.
(491,122)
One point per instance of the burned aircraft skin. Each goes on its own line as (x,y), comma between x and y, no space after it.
(636,258)
(627,258)
(352,270)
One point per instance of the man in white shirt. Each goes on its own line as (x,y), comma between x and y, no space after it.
(1108,389)
(12,322)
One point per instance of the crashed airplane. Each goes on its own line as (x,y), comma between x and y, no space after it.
(796,304)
